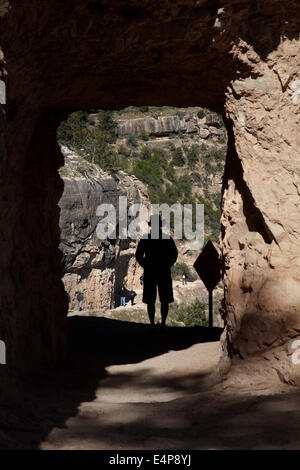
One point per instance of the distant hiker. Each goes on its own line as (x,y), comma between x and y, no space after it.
(132,295)
(122,296)
(183,280)
(80,300)
(142,279)
(156,255)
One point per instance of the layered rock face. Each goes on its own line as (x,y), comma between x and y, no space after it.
(238,58)
(183,121)
(96,268)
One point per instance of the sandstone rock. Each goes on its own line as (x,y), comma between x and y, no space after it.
(204,133)
(215,131)
(163,125)
(241,61)
(212,119)
(91,266)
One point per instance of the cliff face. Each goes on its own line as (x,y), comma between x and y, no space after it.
(92,266)
(184,121)
(261,242)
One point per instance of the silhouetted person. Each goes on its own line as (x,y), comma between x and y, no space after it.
(122,296)
(132,295)
(157,256)
(80,300)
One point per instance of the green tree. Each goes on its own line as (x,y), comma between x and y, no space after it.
(182,268)
(131,141)
(193,156)
(192,315)
(107,124)
(71,131)
(178,157)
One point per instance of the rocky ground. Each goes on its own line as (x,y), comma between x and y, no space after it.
(183,295)
(123,387)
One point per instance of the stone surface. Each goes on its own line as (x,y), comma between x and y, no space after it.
(97,268)
(238,58)
(184,121)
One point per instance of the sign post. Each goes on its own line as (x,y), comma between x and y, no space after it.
(210,309)
(208,268)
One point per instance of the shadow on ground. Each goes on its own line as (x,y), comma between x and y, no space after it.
(94,344)
(67,409)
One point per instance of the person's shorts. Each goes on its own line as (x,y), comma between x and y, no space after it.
(161,283)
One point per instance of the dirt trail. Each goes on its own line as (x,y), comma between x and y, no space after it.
(123,387)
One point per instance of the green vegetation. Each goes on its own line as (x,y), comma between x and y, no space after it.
(191,315)
(181,268)
(193,156)
(178,158)
(93,136)
(211,216)
(132,141)
(144,136)
(202,113)
(93,142)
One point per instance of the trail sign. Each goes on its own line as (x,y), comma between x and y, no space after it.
(208,267)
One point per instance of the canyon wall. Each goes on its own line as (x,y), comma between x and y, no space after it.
(96,268)
(183,121)
(261,242)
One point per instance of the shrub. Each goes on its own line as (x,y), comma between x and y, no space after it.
(181,268)
(71,131)
(184,186)
(123,150)
(196,177)
(191,315)
(202,113)
(193,156)
(131,141)
(148,173)
(178,157)
(144,109)
(145,153)
(121,163)
(170,173)
(106,123)
(144,136)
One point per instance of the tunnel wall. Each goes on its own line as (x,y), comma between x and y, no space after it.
(238,58)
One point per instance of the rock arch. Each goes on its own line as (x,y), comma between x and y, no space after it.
(238,58)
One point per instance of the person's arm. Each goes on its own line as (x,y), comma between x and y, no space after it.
(139,254)
(173,252)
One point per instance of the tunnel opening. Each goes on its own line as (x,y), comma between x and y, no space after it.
(152,156)
(110,357)
(239,58)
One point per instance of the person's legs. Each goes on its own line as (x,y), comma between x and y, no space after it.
(123,303)
(149,297)
(165,290)
(151,313)
(164,309)
(80,305)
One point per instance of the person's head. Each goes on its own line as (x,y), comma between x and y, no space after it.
(155,223)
